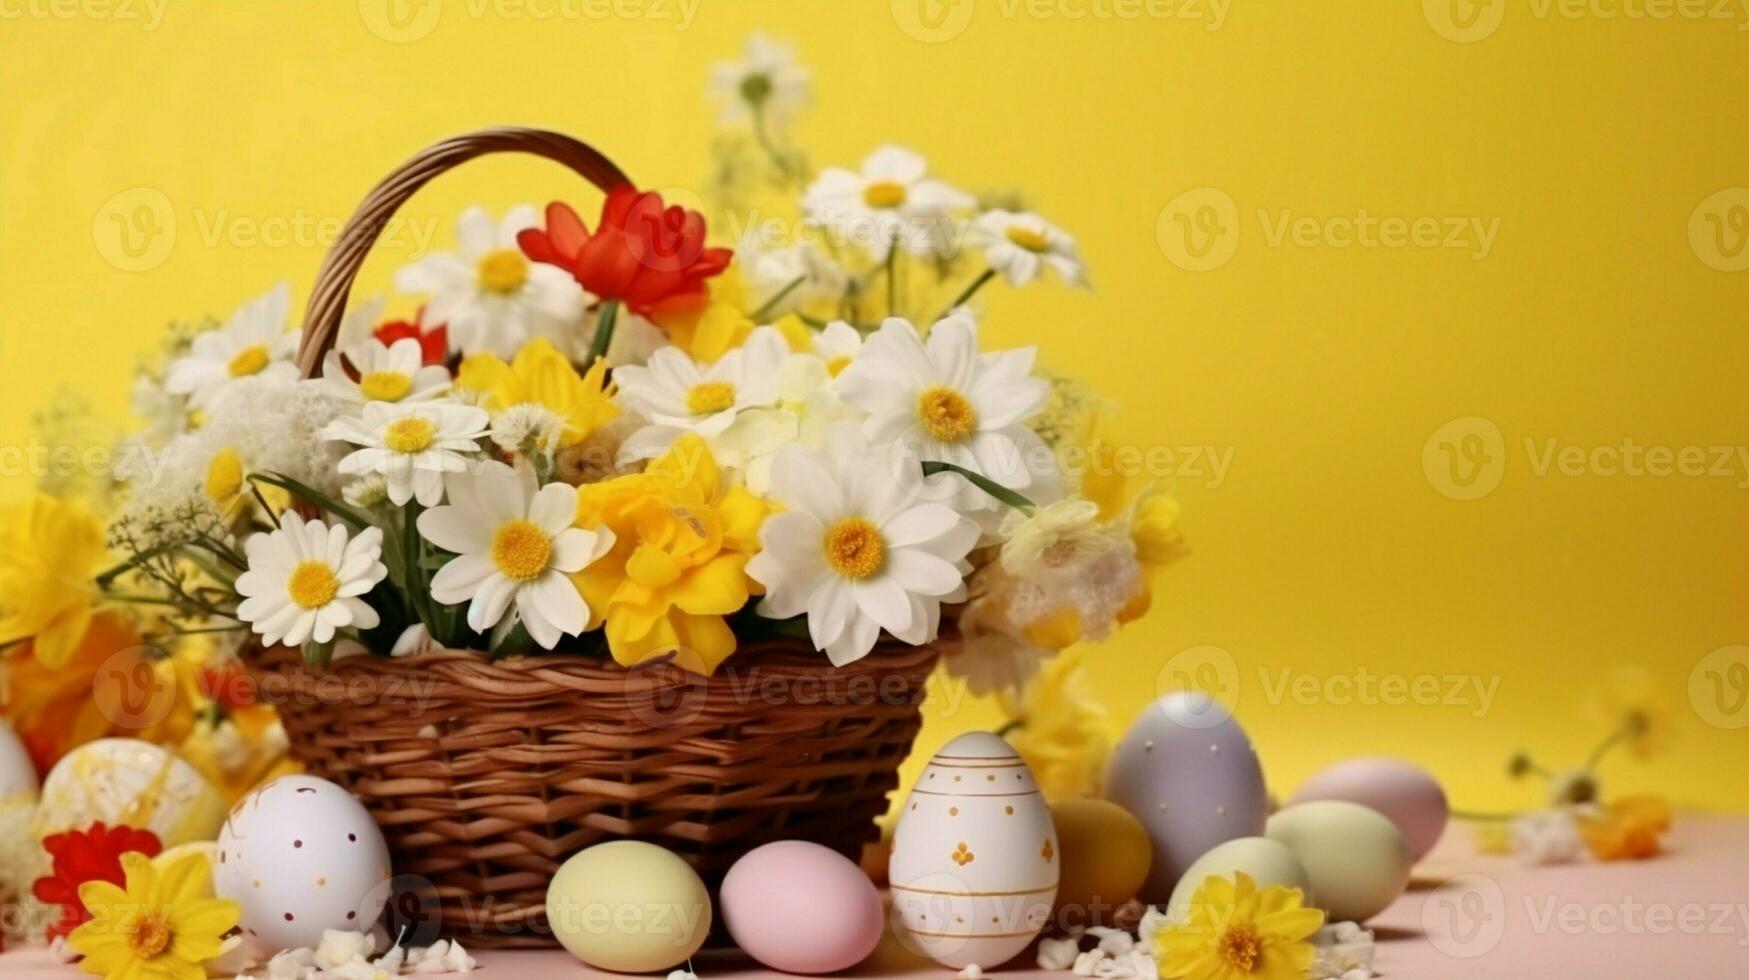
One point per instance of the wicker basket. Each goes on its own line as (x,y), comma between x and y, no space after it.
(486,775)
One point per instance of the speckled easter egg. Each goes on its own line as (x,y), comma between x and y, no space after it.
(1406,793)
(1354,857)
(1189,773)
(975,857)
(128,781)
(1267,862)
(17,773)
(300,855)
(802,908)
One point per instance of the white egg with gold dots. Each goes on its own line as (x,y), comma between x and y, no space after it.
(300,855)
(975,861)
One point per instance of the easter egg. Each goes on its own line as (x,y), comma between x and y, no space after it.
(629,907)
(1189,773)
(17,772)
(975,857)
(1106,853)
(1406,793)
(801,908)
(300,855)
(1268,863)
(1355,858)
(128,781)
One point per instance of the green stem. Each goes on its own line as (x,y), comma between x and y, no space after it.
(757,316)
(1480,817)
(1615,738)
(765,143)
(982,482)
(892,279)
(255,488)
(1011,726)
(967,293)
(604,325)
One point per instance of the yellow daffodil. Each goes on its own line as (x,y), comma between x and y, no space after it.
(540,375)
(725,322)
(1061,731)
(683,536)
(160,927)
(1236,931)
(50,551)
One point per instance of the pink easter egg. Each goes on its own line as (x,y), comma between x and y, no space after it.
(1412,799)
(801,908)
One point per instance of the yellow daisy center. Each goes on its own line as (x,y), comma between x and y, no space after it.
(835,365)
(249,360)
(884,194)
(1026,238)
(710,396)
(385,386)
(1241,947)
(946,414)
(312,584)
(855,548)
(151,937)
(224,476)
(409,435)
(503,271)
(521,550)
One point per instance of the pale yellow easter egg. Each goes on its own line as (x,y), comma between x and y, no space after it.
(629,907)
(1106,853)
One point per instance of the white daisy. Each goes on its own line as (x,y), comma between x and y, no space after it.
(489,294)
(383,373)
(766,84)
(410,445)
(856,550)
(1019,245)
(889,201)
(254,342)
(943,400)
(680,395)
(305,579)
(837,345)
(516,552)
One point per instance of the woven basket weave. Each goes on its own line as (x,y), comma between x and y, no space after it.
(486,775)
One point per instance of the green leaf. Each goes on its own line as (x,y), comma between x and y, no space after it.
(318,654)
(982,482)
(354,519)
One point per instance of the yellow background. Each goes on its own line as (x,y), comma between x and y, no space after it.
(1323,371)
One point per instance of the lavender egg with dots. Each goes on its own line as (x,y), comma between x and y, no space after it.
(1188,772)
(300,855)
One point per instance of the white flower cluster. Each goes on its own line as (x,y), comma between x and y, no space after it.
(1342,951)
(349,956)
(1116,955)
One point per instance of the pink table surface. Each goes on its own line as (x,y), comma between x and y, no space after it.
(1682,916)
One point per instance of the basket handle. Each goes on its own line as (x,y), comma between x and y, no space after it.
(334,281)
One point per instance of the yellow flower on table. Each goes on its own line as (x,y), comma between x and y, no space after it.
(683,536)
(1629,697)
(160,927)
(50,551)
(540,375)
(1237,931)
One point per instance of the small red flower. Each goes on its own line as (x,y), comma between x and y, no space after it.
(229,685)
(651,257)
(92,854)
(433,343)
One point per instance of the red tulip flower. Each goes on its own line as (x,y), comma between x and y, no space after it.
(650,257)
(92,854)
